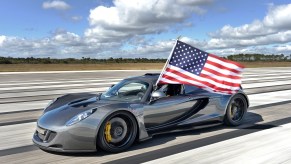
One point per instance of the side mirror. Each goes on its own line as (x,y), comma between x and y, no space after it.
(158,94)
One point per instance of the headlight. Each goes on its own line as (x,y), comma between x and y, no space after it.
(80,117)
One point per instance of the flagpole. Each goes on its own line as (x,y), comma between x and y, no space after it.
(167,62)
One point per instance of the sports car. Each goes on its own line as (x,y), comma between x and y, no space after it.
(134,109)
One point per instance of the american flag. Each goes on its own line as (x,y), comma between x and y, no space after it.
(189,65)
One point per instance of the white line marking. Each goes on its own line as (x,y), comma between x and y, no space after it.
(55,86)
(265,77)
(8,73)
(269,97)
(52,92)
(23,106)
(60,82)
(265,84)
(52,80)
(16,135)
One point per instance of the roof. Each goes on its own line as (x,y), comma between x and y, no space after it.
(149,77)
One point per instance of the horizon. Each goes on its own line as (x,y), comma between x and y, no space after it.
(285,57)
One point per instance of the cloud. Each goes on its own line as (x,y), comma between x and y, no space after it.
(111,28)
(159,49)
(274,28)
(61,44)
(56,4)
(283,48)
(162,49)
(279,37)
(195,2)
(278,17)
(276,49)
(76,18)
(127,19)
(125,30)
(2,39)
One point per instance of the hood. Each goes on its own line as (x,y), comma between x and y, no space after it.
(71,99)
(66,107)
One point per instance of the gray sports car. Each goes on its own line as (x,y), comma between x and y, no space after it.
(132,110)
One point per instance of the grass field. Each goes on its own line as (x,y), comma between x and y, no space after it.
(112,66)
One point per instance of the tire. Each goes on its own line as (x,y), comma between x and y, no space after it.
(236,110)
(123,132)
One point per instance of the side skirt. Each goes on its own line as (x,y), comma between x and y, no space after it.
(195,126)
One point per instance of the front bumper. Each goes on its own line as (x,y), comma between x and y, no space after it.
(66,139)
(60,149)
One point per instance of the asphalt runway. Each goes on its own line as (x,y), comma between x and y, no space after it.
(263,138)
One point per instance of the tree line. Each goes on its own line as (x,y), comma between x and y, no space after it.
(83,60)
(258,57)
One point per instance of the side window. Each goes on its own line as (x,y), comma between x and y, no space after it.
(171,89)
(126,91)
(191,89)
(137,87)
(133,91)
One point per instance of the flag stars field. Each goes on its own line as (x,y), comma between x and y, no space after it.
(186,63)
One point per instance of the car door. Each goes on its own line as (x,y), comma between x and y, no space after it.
(167,110)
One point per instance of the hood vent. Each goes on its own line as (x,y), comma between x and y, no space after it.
(82,102)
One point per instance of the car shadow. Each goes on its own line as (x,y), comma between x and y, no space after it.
(250,123)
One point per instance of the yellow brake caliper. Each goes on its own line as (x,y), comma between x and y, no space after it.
(107,132)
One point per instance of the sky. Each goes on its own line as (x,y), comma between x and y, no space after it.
(142,28)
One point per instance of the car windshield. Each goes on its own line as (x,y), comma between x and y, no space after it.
(128,91)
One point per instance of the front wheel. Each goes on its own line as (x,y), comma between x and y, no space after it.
(117,132)
(236,110)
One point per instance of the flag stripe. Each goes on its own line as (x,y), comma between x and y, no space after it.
(227,61)
(220,74)
(221,70)
(219,65)
(207,82)
(167,81)
(168,78)
(206,73)
(220,81)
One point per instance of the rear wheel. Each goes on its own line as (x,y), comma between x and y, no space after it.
(117,132)
(236,110)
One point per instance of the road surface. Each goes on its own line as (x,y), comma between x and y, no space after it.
(263,138)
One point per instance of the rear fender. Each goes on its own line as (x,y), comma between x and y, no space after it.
(239,92)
